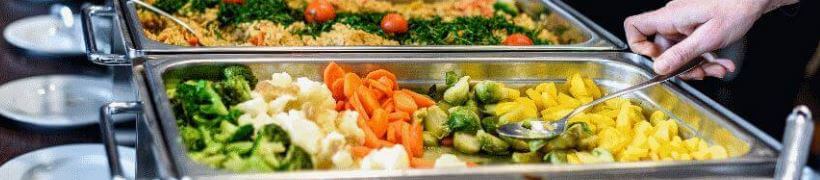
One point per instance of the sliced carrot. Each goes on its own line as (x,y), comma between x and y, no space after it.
(338,89)
(392,129)
(348,106)
(332,72)
(421,100)
(383,73)
(381,87)
(378,122)
(421,163)
(391,84)
(471,164)
(388,105)
(369,102)
(398,116)
(357,105)
(351,83)
(404,102)
(360,151)
(447,141)
(407,139)
(418,142)
(377,94)
(370,139)
(386,143)
(340,105)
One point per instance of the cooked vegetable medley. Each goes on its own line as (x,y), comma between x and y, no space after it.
(354,22)
(368,121)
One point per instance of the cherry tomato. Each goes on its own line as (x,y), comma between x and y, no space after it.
(193,41)
(319,11)
(394,23)
(234,1)
(517,39)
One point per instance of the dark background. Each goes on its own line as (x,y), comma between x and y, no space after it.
(777,50)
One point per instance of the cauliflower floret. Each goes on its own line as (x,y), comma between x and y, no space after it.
(280,79)
(253,107)
(280,103)
(391,158)
(449,161)
(342,160)
(330,144)
(326,119)
(302,131)
(314,97)
(348,126)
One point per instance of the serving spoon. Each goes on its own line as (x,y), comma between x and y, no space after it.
(540,129)
(169,16)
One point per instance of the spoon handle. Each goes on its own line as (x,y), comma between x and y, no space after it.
(165,14)
(655,80)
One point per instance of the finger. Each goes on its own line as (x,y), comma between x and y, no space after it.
(704,39)
(638,29)
(714,70)
(696,73)
(726,63)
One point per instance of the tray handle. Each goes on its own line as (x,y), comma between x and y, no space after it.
(94,54)
(796,142)
(107,130)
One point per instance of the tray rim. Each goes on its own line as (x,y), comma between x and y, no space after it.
(758,139)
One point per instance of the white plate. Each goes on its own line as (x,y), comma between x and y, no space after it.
(55,100)
(40,35)
(74,161)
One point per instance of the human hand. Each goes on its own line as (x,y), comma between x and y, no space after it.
(685,29)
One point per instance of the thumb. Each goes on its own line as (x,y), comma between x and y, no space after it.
(704,39)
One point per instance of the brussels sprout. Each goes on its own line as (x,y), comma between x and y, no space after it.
(516,144)
(463,119)
(506,6)
(489,92)
(473,106)
(466,143)
(429,139)
(528,157)
(490,124)
(491,144)
(443,105)
(450,78)
(571,138)
(242,147)
(603,155)
(459,92)
(556,157)
(435,122)
(489,109)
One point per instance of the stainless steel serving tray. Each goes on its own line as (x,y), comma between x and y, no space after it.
(137,44)
(755,154)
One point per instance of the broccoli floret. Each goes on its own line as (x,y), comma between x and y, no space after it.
(230,133)
(200,102)
(241,148)
(244,71)
(274,133)
(191,138)
(170,6)
(202,5)
(463,119)
(458,94)
(296,159)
